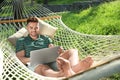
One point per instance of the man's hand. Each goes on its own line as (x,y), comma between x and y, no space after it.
(50,45)
(60,50)
(22,58)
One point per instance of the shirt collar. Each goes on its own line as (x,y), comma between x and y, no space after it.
(32,39)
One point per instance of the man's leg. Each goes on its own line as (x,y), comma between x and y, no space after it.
(83,65)
(71,55)
(76,64)
(47,71)
(65,66)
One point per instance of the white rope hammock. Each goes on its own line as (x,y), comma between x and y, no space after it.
(97,46)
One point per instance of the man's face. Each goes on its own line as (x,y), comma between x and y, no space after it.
(33,28)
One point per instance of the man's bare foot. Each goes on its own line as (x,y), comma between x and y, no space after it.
(83,65)
(64,65)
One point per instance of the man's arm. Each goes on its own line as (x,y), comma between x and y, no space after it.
(22,58)
(61,50)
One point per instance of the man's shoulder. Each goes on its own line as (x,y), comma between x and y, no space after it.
(22,39)
(44,36)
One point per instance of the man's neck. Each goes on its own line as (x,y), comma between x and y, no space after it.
(34,37)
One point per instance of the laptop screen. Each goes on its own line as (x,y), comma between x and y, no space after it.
(45,55)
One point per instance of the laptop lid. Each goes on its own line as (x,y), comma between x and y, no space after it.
(45,55)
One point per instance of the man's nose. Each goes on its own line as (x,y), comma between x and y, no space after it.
(34,30)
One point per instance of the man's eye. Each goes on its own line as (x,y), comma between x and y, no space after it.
(36,27)
(31,28)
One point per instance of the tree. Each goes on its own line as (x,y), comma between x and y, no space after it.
(1,1)
(0,5)
(42,1)
(45,2)
(31,2)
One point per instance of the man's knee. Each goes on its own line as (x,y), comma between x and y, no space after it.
(73,51)
(69,53)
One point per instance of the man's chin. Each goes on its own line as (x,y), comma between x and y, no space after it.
(34,35)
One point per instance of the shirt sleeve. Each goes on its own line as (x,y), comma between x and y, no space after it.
(50,41)
(20,45)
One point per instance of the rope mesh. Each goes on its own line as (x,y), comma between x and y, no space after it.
(97,46)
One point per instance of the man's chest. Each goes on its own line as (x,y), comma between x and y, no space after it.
(36,44)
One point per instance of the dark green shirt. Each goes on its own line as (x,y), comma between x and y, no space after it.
(28,44)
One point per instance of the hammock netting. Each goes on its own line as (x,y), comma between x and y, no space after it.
(97,46)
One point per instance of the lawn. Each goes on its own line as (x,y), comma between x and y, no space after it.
(60,1)
(101,20)
(64,1)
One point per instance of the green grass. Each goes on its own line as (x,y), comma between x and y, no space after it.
(60,1)
(102,20)
(64,1)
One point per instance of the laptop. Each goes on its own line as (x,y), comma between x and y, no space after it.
(42,56)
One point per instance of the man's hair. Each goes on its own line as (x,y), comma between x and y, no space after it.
(32,19)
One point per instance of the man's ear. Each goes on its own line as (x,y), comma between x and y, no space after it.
(38,26)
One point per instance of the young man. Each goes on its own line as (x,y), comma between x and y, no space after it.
(68,62)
